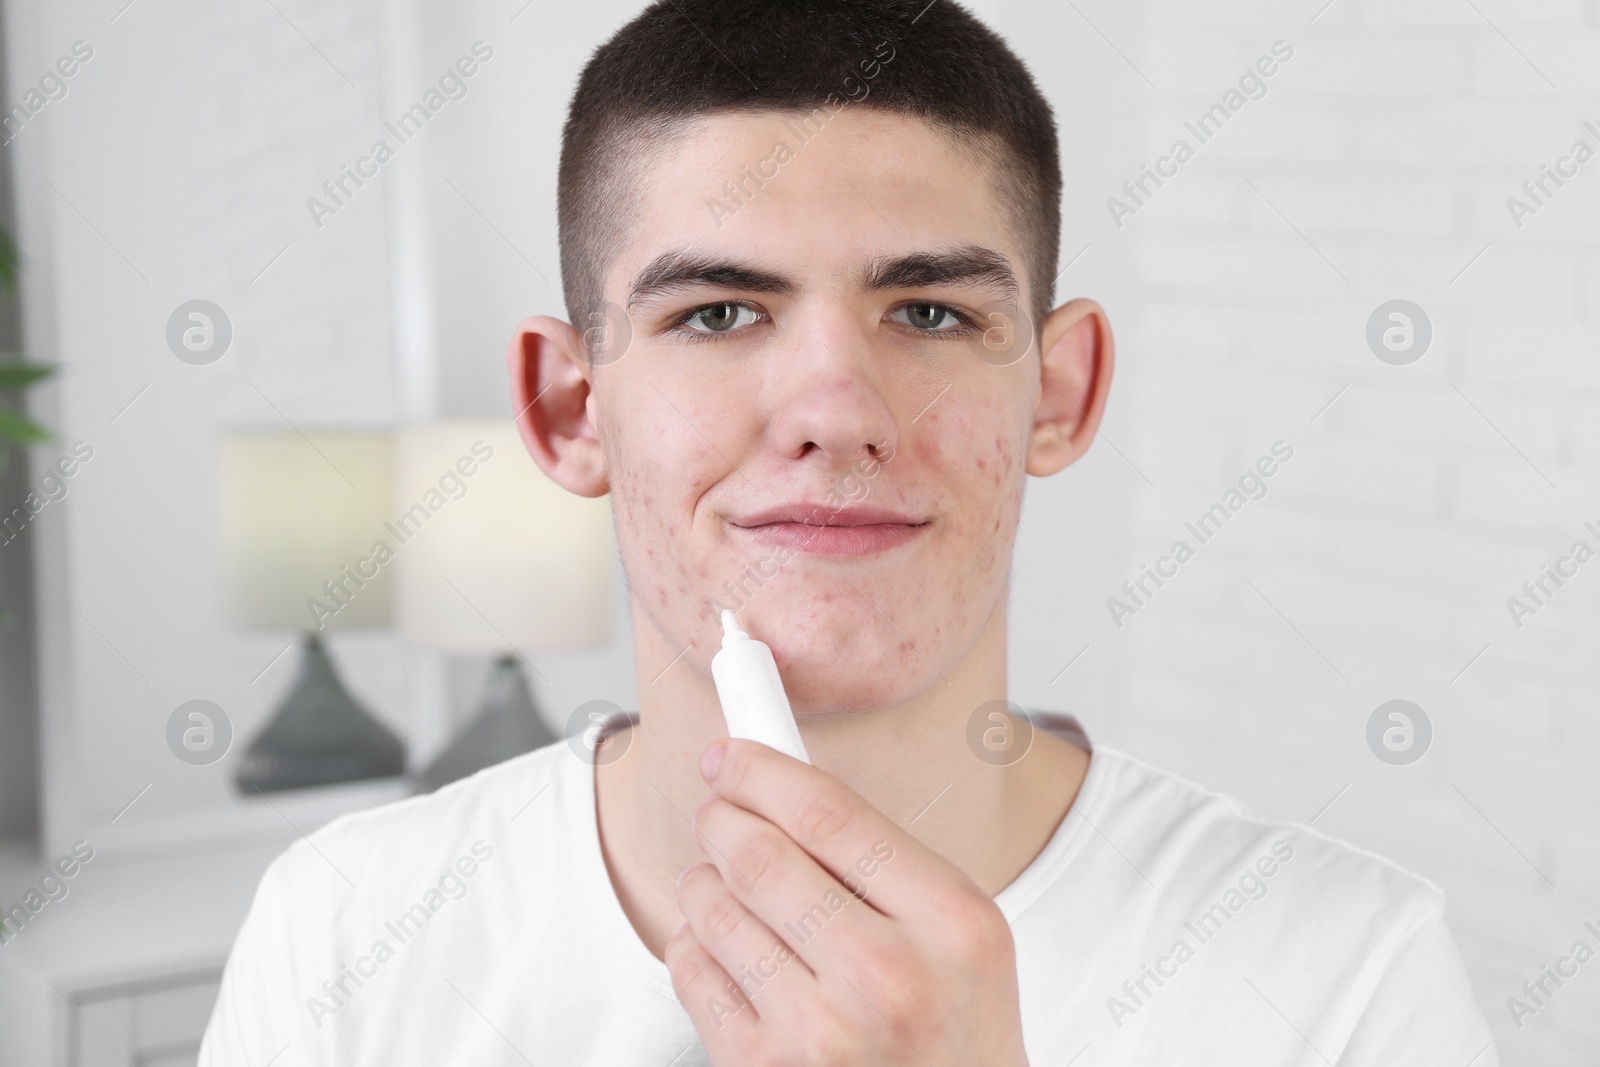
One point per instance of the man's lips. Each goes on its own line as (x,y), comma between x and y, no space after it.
(821,530)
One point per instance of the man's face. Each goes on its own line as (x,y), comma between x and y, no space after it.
(804,429)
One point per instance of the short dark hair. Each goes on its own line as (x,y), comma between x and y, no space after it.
(683,59)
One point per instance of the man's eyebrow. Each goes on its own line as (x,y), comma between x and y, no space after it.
(671,271)
(967,263)
(683,269)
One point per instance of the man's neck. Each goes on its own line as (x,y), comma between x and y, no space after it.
(912,762)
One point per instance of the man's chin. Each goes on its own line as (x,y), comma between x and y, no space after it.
(834,688)
(840,655)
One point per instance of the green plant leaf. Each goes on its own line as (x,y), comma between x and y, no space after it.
(21,430)
(22,375)
(9,260)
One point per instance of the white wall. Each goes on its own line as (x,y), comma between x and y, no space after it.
(1383,556)
(1076,523)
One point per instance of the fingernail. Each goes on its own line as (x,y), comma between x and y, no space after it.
(712,760)
(698,808)
(684,874)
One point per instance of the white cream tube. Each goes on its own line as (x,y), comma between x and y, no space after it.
(753,700)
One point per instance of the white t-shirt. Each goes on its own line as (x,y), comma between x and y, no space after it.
(1159,925)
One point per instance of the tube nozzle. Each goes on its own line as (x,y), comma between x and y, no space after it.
(730,629)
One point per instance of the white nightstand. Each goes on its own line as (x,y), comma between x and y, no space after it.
(123,970)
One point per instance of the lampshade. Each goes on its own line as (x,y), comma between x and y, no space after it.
(302,515)
(494,555)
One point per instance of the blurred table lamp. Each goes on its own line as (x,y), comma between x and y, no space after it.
(303,518)
(500,560)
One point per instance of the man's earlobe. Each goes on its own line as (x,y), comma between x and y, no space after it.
(550,383)
(1076,354)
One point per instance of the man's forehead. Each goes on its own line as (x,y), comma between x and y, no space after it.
(870,177)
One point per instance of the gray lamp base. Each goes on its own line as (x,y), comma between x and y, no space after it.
(506,725)
(318,736)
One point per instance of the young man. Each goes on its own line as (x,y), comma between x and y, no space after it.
(812,247)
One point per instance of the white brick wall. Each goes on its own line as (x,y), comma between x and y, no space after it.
(1405,520)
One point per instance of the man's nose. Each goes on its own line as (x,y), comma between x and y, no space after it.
(834,400)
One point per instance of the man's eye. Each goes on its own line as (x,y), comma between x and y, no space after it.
(934,318)
(719,318)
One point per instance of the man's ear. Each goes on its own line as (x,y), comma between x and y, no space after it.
(550,388)
(1075,357)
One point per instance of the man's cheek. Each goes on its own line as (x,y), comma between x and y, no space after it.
(665,556)
(991,489)
(976,447)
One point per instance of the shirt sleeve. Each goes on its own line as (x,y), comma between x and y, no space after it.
(251,1024)
(1423,1011)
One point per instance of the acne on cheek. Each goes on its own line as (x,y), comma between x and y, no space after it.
(674,587)
(674,584)
(1000,454)
(641,530)
(1000,461)
(655,530)
(950,446)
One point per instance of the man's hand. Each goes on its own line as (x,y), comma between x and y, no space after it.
(821,933)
